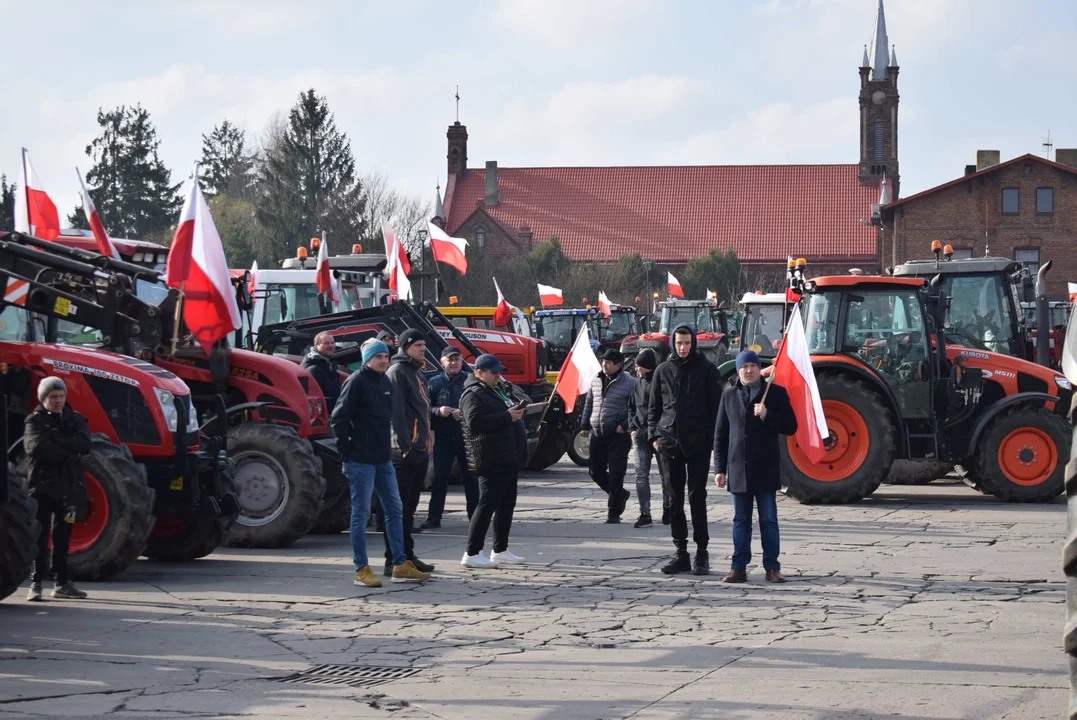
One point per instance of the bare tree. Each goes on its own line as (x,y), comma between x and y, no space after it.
(407,214)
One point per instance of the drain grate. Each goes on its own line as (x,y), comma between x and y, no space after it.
(350,675)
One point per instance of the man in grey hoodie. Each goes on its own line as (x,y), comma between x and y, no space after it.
(605,414)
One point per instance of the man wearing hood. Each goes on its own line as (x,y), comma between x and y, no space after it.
(411,434)
(685,396)
(319,363)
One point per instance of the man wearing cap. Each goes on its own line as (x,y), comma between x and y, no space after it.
(605,415)
(445,390)
(361,423)
(411,434)
(319,363)
(496,443)
(747,460)
(55,439)
(646,362)
(389,339)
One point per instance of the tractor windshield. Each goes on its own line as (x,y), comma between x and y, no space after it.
(763,328)
(558,330)
(979,314)
(821,322)
(618,325)
(699,317)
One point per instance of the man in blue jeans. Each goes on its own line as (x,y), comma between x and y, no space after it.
(361,421)
(751,418)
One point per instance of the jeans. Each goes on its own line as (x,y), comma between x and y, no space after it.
(410,475)
(608,465)
(688,471)
(644,454)
(767,502)
(449,448)
(51,513)
(366,479)
(497,500)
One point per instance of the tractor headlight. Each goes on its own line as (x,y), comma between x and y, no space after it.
(192,417)
(168,407)
(1063,382)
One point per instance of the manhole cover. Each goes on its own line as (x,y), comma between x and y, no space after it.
(350,675)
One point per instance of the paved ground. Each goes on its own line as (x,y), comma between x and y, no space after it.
(919,603)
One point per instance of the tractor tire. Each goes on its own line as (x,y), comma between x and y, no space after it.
(18,535)
(548,451)
(1021,456)
(863,451)
(336,518)
(1069,567)
(280,485)
(717,354)
(579,450)
(916,472)
(182,541)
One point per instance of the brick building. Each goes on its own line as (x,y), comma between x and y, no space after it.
(673,214)
(1024,209)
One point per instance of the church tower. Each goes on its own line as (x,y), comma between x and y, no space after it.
(879,111)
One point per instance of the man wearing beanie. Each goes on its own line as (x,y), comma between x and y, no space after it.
(751,418)
(605,414)
(646,362)
(361,422)
(411,434)
(55,439)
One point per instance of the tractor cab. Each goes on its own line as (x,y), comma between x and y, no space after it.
(559,328)
(762,318)
(619,331)
(711,325)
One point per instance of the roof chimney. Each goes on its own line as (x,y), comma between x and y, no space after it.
(970,169)
(1066,156)
(987,158)
(491,198)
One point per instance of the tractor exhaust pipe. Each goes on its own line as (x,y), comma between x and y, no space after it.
(1043,317)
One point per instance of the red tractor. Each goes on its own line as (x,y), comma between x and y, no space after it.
(711,324)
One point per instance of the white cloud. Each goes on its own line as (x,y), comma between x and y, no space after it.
(571,24)
(245,17)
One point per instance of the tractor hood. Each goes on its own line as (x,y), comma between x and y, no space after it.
(1014,374)
(62,360)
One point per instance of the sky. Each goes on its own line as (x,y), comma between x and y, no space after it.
(542,82)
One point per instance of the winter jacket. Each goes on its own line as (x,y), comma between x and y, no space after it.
(491,438)
(606,406)
(745,447)
(638,402)
(411,407)
(445,392)
(684,403)
(324,372)
(54,444)
(362,418)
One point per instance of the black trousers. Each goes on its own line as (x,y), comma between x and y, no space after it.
(50,514)
(608,464)
(497,501)
(688,471)
(410,475)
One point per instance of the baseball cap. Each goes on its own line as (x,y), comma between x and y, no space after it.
(489,362)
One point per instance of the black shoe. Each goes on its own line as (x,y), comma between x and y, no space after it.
(67,591)
(679,563)
(388,569)
(624,502)
(666,515)
(612,519)
(421,566)
(429,524)
(703,563)
(416,529)
(643,522)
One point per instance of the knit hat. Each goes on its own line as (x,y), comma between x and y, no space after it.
(647,359)
(47,385)
(409,337)
(372,348)
(386,335)
(747,356)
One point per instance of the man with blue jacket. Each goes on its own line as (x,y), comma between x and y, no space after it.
(605,414)
(444,391)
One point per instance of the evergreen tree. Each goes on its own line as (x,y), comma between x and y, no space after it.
(308,181)
(7,204)
(227,166)
(719,271)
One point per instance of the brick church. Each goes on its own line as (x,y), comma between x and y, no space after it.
(672,214)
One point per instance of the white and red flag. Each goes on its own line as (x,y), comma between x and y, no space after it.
(252,284)
(35,212)
(503,311)
(327,284)
(604,305)
(104,242)
(449,250)
(549,295)
(674,286)
(580,368)
(793,371)
(397,265)
(196,264)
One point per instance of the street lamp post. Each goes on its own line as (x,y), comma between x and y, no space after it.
(647,265)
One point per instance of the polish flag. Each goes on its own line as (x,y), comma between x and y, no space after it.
(791,295)
(323,277)
(397,265)
(580,369)
(503,311)
(711,295)
(252,285)
(104,243)
(604,305)
(793,371)
(197,266)
(448,250)
(35,213)
(549,295)
(674,286)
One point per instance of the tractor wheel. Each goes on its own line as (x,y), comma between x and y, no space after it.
(1021,457)
(579,450)
(18,535)
(280,485)
(862,450)
(717,354)
(190,539)
(1069,566)
(916,472)
(335,518)
(550,449)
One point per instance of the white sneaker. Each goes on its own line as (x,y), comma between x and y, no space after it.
(506,558)
(477,561)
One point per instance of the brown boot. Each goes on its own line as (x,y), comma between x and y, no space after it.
(775,576)
(736,576)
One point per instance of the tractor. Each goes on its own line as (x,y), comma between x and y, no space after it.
(711,325)
(559,328)
(763,319)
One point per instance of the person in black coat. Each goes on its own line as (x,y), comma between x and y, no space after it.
(319,363)
(55,439)
(685,395)
(605,416)
(747,460)
(638,402)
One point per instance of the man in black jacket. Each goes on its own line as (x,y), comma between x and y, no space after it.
(495,439)
(680,423)
(646,362)
(319,363)
(361,423)
(605,415)
(55,439)
(747,460)
(445,390)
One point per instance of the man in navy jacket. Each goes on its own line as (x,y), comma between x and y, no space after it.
(444,391)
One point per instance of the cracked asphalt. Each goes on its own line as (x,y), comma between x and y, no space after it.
(919,603)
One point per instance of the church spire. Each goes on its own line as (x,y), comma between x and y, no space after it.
(880,43)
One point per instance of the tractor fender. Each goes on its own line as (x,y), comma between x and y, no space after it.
(996,409)
(875,382)
(236,409)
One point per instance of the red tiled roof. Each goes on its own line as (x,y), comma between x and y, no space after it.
(673,214)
